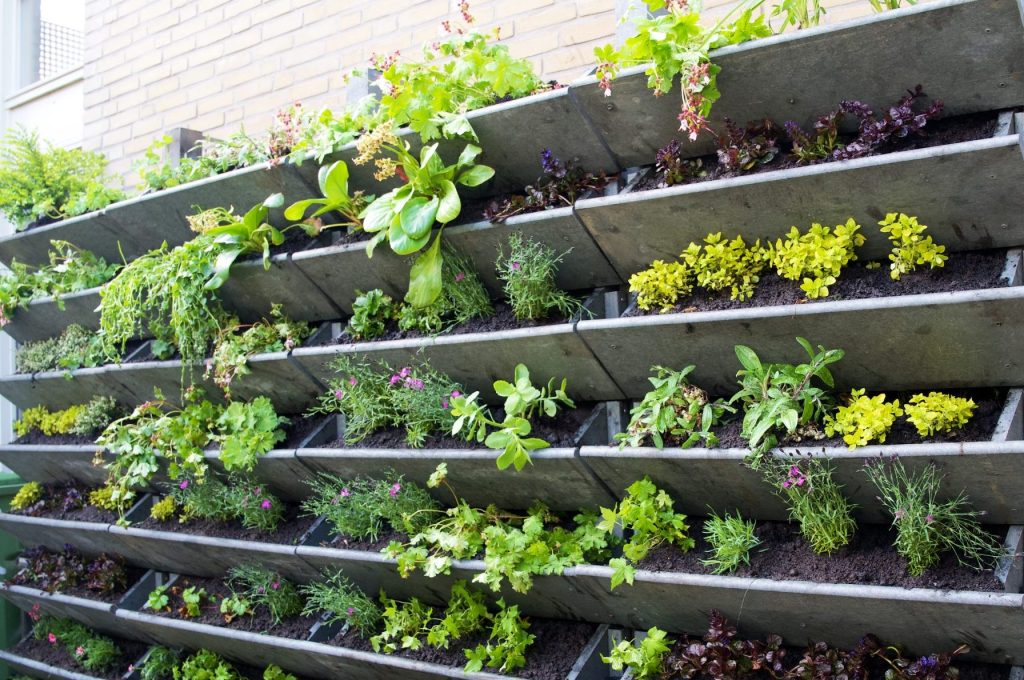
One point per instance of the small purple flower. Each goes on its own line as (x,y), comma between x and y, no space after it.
(265,504)
(929,518)
(414,383)
(395,488)
(338,394)
(900,514)
(395,379)
(405,372)
(444,403)
(345,493)
(352,381)
(183,485)
(275,585)
(261,590)
(459,277)
(786,484)
(456,393)
(515,266)
(351,611)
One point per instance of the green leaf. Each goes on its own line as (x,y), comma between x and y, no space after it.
(334,184)
(451,205)
(222,268)
(468,155)
(475,176)
(274,201)
(402,243)
(418,217)
(296,211)
(425,276)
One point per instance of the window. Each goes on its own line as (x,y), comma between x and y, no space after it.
(50,38)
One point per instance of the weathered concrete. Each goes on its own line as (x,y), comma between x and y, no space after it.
(43,318)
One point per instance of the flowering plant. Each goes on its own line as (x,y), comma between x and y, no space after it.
(815,500)
(364,508)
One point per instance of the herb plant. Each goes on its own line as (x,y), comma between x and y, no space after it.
(926,527)
(156,174)
(159,664)
(205,665)
(158,600)
(798,13)
(528,274)
(506,646)
(80,419)
(645,658)
(192,599)
(237,499)
(864,419)
(337,597)
(661,285)
(817,257)
(938,412)
(76,347)
(731,539)
(403,624)
(559,187)
(28,495)
(371,312)
(911,247)
(742,149)
(780,400)
(364,508)
(463,297)
(815,501)
(264,587)
(87,650)
(336,201)
(675,410)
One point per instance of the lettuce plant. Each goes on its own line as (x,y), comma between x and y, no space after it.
(333,182)
(371,312)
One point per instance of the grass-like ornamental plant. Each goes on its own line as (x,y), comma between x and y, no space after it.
(528,275)
(938,412)
(720,264)
(863,419)
(817,257)
(815,501)
(781,399)
(911,248)
(263,587)
(732,539)
(337,597)
(95,653)
(365,508)
(674,410)
(661,285)
(238,498)
(925,527)
(644,657)
(647,513)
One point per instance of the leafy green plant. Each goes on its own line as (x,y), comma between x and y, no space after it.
(158,599)
(193,599)
(333,182)
(246,431)
(815,501)
(103,498)
(273,672)
(673,409)
(674,44)
(406,216)
(799,13)
(156,174)
(816,257)
(76,347)
(164,509)
(938,412)
(371,313)
(720,264)
(264,587)
(235,606)
(55,572)
(239,499)
(911,247)
(364,508)
(506,645)
(473,420)
(863,419)
(644,657)
(661,285)
(375,397)
(159,664)
(205,665)
(403,623)
(82,419)
(924,526)
(781,400)
(342,601)
(646,512)
(463,297)
(324,132)
(465,614)
(42,181)
(731,539)
(528,275)
(89,651)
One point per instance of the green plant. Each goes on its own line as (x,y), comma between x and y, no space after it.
(731,539)
(403,623)
(559,187)
(661,285)
(506,645)
(324,132)
(90,651)
(164,509)
(342,601)
(246,431)
(234,606)
(863,419)
(159,664)
(42,181)
(465,614)
(726,265)
(80,419)
(816,257)
(882,5)
(815,500)
(74,348)
(674,44)
(193,599)
(675,410)
(741,149)
(522,401)
(363,508)
(103,498)
(938,412)
(463,297)
(374,397)
(644,659)
(799,13)
(647,513)
(264,587)
(781,400)
(910,247)
(96,415)
(156,174)
(528,275)
(273,672)
(924,526)
(371,313)
(333,183)
(205,665)
(158,599)
(405,216)
(239,499)
(28,495)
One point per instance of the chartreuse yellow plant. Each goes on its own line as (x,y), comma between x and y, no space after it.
(910,247)
(864,419)
(721,264)
(817,257)
(164,509)
(40,418)
(938,412)
(661,285)
(27,495)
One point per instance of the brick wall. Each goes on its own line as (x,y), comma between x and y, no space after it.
(217,65)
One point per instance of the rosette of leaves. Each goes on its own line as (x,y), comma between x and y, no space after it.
(743,149)
(246,431)
(335,202)
(371,312)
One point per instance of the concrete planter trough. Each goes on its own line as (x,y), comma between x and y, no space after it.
(43,318)
(92,613)
(923,44)
(38,669)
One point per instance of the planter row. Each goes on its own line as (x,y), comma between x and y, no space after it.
(310,658)
(914,45)
(967,193)
(943,340)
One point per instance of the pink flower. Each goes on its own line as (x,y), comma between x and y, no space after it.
(34,612)
(456,393)
(405,372)
(289,344)
(395,488)
(352,381)
(929,519)
(275,585)
(52,638)
(131,668)
(414,384)
(901,513)
(183,485)
(444,403)
(79,650)
(351,611)
(786,484)
(515,266)
(338,394)
(265,504)
(345,493)
(459,277)
(395,379)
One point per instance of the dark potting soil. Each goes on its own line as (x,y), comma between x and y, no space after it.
(295,240)
(295,627)
(502,320)
(783,555)
(38,438)
(936,133)
(289,531)
(51,506)
(43,221)
(348,543)
(58,656)
(989,406)
(551,656)
(559,431)
(299,428)
(963,271)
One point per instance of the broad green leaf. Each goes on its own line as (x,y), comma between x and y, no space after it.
(378,215)
(334,185)
(468,155)
(748,358)
(222,268)
(274,201)
(296,211)
(425,276)
(475,176)
(451,205)
(404,244)
(418,217)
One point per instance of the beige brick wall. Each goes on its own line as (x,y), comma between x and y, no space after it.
(216,65)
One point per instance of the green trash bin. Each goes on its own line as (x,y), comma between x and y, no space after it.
(10,616)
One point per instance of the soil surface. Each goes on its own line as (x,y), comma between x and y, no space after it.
(784,555)
(298,429)
(38,438)
(559,431)
(295,628)
(551,656)
(57,655)
(936,133)
(963,271)
(53,496)
(979,428)
(369,545)
(289,531)
(295,240)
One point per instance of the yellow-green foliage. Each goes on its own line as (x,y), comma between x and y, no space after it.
(103,498)
(163,510)
(910,247)
(661,285)
(938,412)
(864,419)
(50,424)
(818,256)
(27,495)
(721,264)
